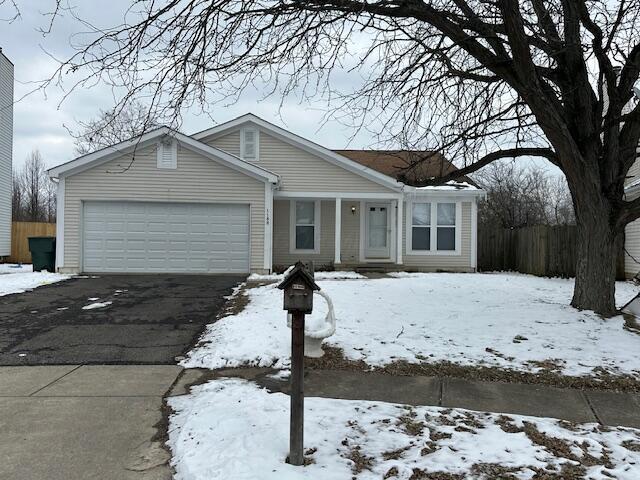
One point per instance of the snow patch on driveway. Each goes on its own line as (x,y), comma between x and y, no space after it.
(23,279)
(93,306)
(513,321)
(231,428)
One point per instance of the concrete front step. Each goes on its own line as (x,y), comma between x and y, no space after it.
(379,267)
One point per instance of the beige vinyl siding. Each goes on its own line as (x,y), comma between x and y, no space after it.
(299,170)
(282,229)
(632,234)
(632,230)
(460,262)
(632,245)
(196,180)
(350,240)
(634,172)
(229,143)
(6,147)
(350,234)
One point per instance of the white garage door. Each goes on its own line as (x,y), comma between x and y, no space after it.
(141,237)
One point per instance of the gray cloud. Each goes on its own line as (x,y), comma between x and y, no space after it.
(40,118)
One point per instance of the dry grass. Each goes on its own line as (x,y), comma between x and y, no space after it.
(334,359)
(394,454)
(392,472)
(631,445)
(494,471)
(360,461)
(410,425)
(419,474)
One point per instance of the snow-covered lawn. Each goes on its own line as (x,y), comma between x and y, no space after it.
(231,428)
(277,277)
(503,320)
(19,279)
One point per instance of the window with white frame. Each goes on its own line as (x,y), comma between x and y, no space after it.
(434,227)
(305,234)
(421,226)
(446,227)
(249,140)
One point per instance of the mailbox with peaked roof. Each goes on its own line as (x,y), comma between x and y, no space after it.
(298,287)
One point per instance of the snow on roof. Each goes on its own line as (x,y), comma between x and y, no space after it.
(450,185)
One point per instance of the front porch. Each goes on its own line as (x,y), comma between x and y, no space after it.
(341,231)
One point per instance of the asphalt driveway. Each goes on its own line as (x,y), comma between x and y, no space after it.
(151,319)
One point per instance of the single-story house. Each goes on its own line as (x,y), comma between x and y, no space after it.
(249,196)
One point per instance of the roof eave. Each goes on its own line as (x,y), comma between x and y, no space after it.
(94,159)
(105,154)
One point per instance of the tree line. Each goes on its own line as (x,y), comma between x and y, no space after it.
(523,196)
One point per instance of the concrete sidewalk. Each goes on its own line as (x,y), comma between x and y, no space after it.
(605,407)
(106,422)
(84,422)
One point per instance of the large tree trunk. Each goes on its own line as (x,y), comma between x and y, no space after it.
(597,257)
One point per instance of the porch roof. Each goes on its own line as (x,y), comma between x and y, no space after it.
(392,162)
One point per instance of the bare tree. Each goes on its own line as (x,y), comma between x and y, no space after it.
(522,196)
(477,80)
(559,203)
(17,197)
(33,175)
(50,191)
(34,194)
(112,127)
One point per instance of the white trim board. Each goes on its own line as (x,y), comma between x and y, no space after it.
(303,144)
(268,227)
(474,235)
(332,195)
(60,199)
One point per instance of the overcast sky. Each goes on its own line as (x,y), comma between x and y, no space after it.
(42,118)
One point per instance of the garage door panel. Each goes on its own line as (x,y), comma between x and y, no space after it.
(165,237)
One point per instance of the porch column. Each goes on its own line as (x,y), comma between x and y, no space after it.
(338,232)
(268,227)
(399,218)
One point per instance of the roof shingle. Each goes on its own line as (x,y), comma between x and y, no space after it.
(392,162)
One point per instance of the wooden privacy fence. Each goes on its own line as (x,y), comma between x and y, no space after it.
(20,233)
(545,250)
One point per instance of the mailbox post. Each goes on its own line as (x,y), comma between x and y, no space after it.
(298,287)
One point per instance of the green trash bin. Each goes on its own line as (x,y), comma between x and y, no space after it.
(43,253)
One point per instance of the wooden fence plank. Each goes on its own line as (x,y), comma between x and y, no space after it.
(20,233)
(544,250)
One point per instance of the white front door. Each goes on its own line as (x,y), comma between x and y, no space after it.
(378,230)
